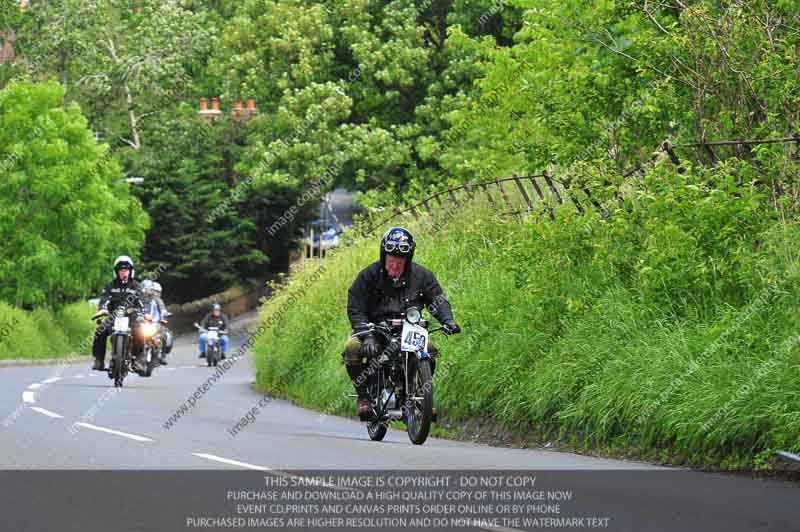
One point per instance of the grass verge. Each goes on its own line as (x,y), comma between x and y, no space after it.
(43,333)
(665,330)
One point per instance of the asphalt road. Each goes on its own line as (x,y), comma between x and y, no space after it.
(71,418)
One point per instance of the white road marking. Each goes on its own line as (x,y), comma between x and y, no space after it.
(77,376)
(478,524)
(91,375)
(46,412)
(112,431)
(27,397)
(34,385)
(231,462)
(263,468)
(51,380)
(170,369)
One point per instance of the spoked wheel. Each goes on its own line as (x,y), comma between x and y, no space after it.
(117,360)
(419,404)
(376,430)
(151,364)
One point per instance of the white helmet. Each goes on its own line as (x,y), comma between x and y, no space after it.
(121,262)
(147,285)
(156,287)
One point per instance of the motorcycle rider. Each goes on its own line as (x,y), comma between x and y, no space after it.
(154,306)
(384,290)
(166,333)
(124,292)
(215,318)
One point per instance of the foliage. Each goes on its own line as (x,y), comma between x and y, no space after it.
(688,71)
(64,209)
(43,333)
(197,247)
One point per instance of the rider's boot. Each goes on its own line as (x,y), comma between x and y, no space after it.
(98,365)
(202,354)
(359,378)
(365,410)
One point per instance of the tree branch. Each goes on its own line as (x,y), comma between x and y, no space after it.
(653,19)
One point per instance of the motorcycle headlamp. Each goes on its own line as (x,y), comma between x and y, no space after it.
(413,315)
(149,329)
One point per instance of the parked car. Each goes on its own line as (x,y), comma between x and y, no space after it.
(325,236)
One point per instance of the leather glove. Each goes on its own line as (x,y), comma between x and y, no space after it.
(451,327)
(369,347)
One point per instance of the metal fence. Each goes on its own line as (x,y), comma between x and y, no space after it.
(543,191)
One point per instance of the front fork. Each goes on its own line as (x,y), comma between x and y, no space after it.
(124,357)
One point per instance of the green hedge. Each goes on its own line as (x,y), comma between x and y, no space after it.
(43,333)
(665,329)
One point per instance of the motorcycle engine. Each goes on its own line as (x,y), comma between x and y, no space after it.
(392,400)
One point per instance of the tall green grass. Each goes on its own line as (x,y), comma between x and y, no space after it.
(43,333)
(665,328)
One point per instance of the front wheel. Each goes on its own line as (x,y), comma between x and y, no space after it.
(419,404)
(118,347)
(151,359)
(376,430)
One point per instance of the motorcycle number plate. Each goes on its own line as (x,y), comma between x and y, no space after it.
(414,338)
(121,324)
(213,335)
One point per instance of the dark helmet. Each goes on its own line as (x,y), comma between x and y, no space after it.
(397,241)
(123,261)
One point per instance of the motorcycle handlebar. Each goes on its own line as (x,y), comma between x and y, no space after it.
(105,313)
(201,329)
(99,315)
(386,331)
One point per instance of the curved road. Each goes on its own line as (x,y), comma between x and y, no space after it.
(67,417)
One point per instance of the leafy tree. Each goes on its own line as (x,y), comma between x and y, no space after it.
(123,65)
(593,88)
(65,211)
(185,181)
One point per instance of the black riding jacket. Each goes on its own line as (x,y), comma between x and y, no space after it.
(374,297)
(220,321)
(118,293)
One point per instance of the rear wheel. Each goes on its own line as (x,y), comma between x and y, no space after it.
(419,404)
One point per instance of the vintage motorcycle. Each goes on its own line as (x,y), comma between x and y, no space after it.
(213,347)
(400,380)
(151,331)
(121,340)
